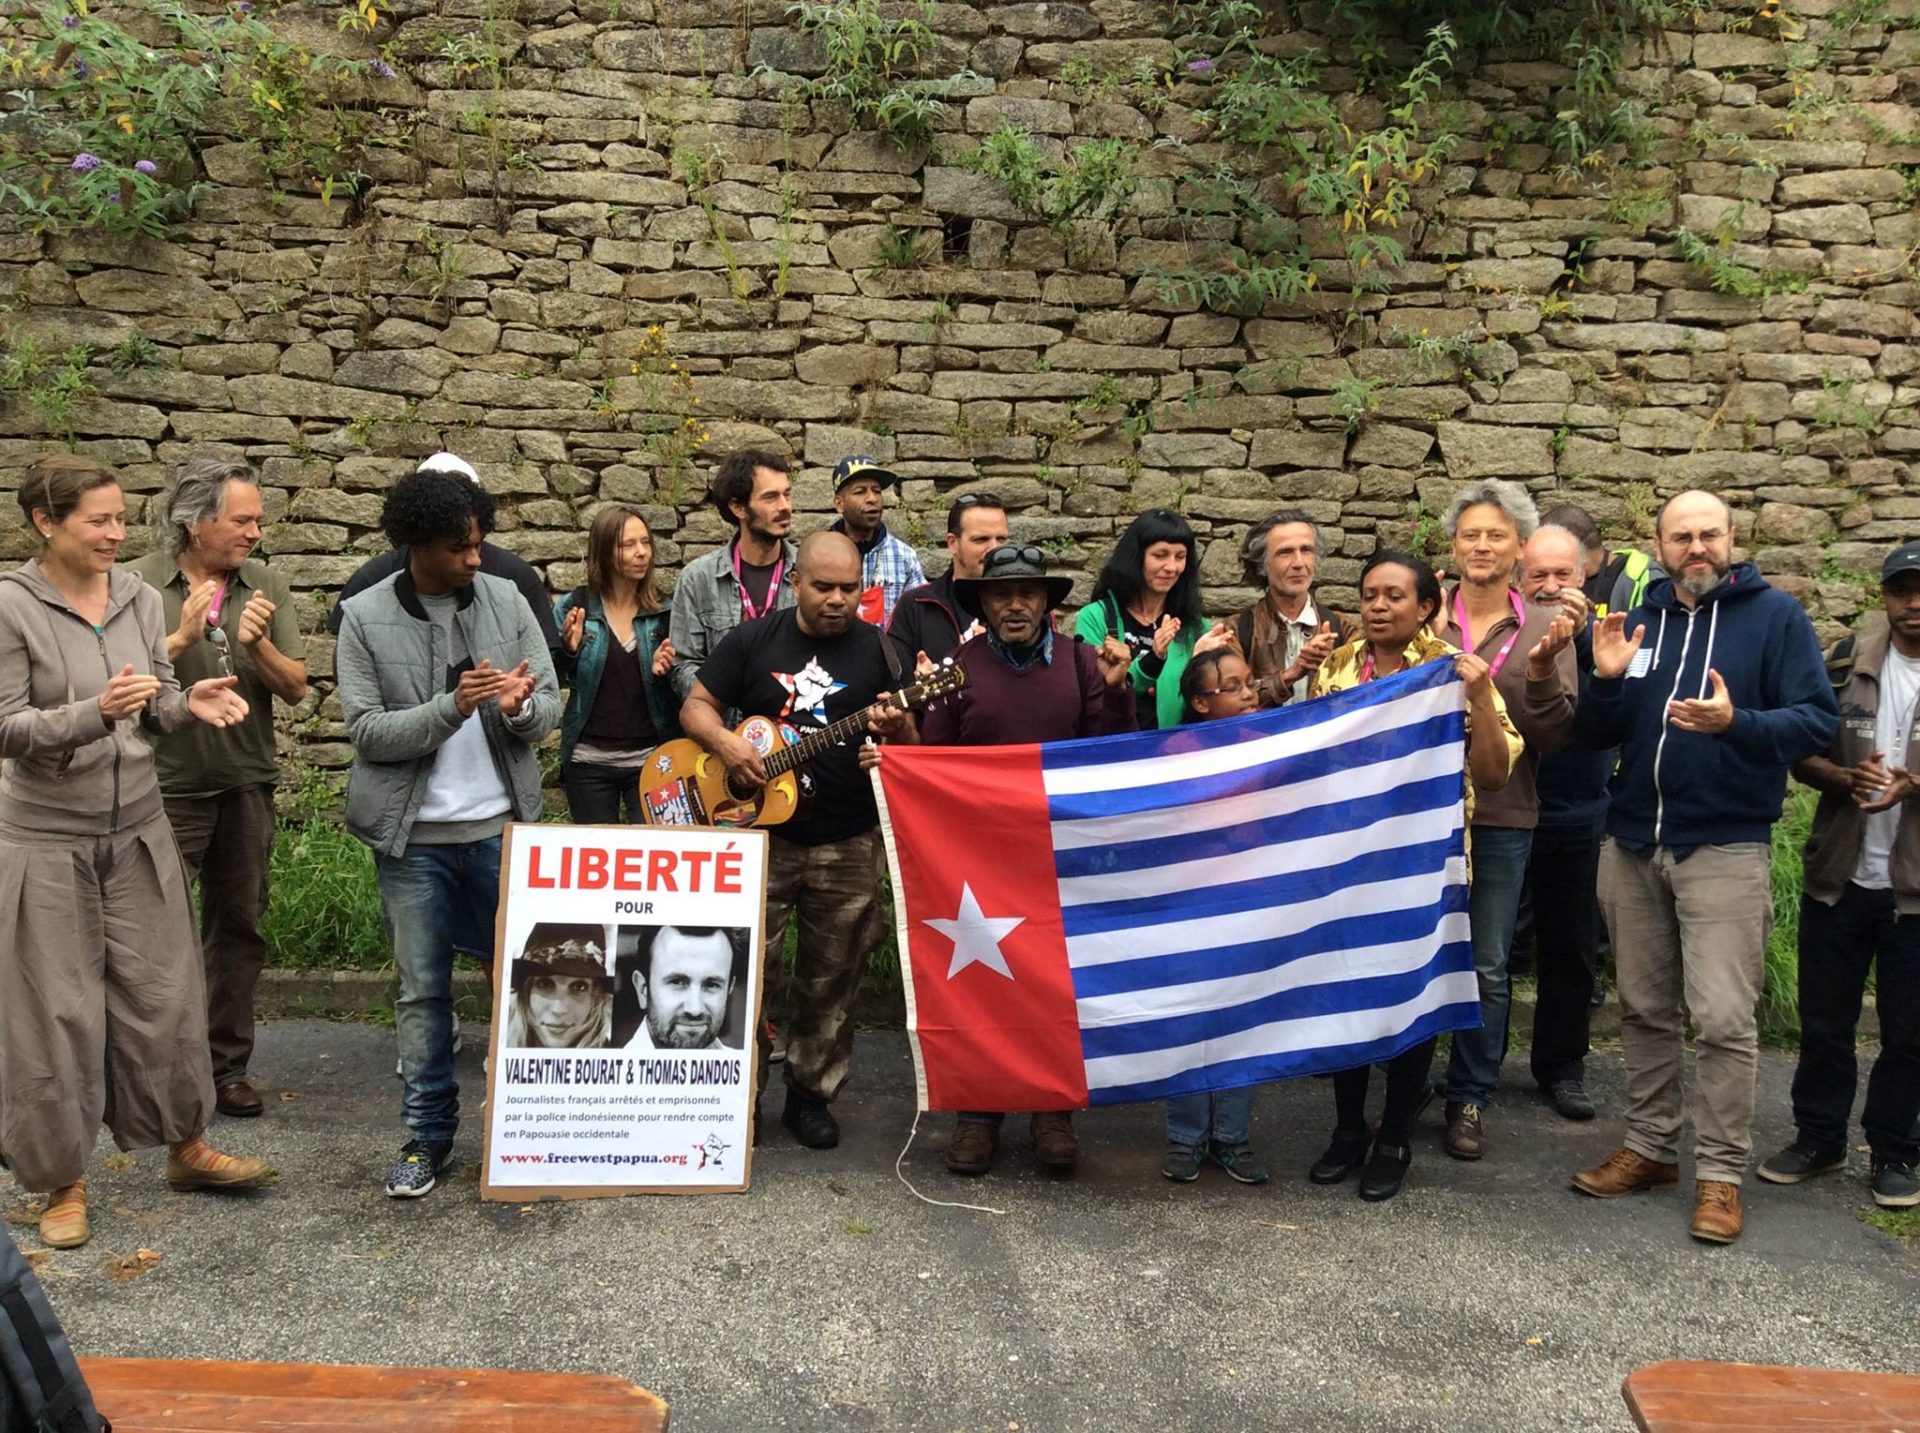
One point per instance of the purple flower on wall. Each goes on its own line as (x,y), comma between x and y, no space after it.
(146,166)
(381,70)
(69,22)
(1201,66)
(85,163)
(81,69)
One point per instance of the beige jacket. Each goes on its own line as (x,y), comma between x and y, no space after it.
(66,769)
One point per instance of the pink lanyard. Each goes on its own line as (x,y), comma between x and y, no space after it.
(1466,635)
(213,607)
(773,585)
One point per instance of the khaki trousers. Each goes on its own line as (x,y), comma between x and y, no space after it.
(1690,934)
(102,1013)
(226,842)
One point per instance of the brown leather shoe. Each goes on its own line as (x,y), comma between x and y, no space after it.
(1466,1136)
(64,1224)
(195,1164)
(1716,1211)
(971,1149)
(1623,1172)
(1054,1144)
(237,1099)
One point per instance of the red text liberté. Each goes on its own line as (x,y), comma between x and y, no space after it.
(595,868)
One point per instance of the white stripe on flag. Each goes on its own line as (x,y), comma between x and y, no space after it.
(1363,721)
(1333,789)
(1282,1037)
(1335,967)
(1277,859)
(1270,923)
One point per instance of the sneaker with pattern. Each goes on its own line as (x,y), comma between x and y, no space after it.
(418,1168)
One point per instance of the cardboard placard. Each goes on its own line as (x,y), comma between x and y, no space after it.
(626,997)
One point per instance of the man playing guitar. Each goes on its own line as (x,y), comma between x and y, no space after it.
(807,667)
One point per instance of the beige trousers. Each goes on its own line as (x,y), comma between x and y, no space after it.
(102,1007)
(1689,938)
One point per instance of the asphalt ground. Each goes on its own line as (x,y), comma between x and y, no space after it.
(1486,1296)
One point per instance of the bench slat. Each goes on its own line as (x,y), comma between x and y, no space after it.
(1703,1397)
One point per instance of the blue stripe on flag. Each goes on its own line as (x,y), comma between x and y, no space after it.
(1305,824)
(1285,1065)
(1291,768)
(1295,716)
(1396,863)
(1351,932)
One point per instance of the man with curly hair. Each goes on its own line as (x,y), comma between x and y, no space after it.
(446,686)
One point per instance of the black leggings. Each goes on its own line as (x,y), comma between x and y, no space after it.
(1408,1074)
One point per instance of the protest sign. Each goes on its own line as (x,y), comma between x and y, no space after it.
(626,994)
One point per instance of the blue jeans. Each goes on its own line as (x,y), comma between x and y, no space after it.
(435,898)
(1222,1115)
(1499,870)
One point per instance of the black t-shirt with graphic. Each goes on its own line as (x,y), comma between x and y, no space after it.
(769,667)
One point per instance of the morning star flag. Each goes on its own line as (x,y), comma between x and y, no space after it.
(1134,917)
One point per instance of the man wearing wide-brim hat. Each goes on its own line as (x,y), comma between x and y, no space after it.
(1026,683)
(888,566)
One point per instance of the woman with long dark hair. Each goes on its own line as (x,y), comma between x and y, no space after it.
(616,655)
(102,1006)
(1399,596)
(1148,596)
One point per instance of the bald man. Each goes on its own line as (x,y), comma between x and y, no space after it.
(808,666)
(1711,688)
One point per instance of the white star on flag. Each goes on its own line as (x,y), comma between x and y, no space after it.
(976,936)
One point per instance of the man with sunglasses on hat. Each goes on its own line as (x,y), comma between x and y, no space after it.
(888,566)
(229,614)
(1027,683)
(929,621)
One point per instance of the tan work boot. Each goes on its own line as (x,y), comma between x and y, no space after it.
(970,1151)
(195,1164)
(64,1224)
(1466,1136)
(1623,1172)
(1054,1145)
(1716,1211)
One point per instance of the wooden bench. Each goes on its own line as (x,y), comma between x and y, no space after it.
(1679,1397)
(149,1395)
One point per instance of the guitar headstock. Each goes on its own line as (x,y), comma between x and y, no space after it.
(943,681)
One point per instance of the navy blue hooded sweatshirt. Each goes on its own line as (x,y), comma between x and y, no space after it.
(1684,789)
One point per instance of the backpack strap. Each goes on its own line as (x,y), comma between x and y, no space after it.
(1243,630)
(61,1410)
(1840,662)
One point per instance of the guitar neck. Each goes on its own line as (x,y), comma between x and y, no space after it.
(815,742)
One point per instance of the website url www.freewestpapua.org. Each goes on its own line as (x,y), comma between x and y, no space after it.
(595,1159)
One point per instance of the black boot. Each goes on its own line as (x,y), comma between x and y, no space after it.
(810,1120)
(1386,1171)
(1346,1153)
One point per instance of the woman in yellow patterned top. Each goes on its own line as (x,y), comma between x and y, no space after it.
(1399,595)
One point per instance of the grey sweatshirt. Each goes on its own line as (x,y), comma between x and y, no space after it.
(67,769)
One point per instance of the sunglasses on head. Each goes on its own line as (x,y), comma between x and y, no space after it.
(1009,554)
(969,500)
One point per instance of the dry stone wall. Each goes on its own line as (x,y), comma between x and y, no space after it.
(639,249)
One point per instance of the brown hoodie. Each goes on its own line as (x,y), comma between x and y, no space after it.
(67,769)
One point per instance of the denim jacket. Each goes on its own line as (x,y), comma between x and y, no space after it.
(582,669)
(706,606)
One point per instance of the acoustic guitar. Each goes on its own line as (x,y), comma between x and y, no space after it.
(684,784)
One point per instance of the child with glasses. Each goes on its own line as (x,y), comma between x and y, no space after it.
(1213,1124)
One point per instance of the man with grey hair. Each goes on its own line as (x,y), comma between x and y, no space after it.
(1286,634)
(227,614)
(1528,648)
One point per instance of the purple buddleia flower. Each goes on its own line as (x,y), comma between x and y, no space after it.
(85,163)
(245,7)
(1201,66)
(381,70)
(70,22)
(146,166)
(81,69)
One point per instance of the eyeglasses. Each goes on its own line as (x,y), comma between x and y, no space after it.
(218,636)
(974,500)
(1008,555)
(1231,689)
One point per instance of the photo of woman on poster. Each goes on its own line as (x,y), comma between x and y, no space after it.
(562,983)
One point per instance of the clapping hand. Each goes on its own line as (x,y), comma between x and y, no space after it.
(1115,659)
(1316,650)
(1164,631)
(1218,635)
(1613,649)
(663,657)
(1559,633)
(1707,715)
(127,692)
(574,630)
(1875,788)
(215,702)
(256,618)
(1475,673)
(515,687)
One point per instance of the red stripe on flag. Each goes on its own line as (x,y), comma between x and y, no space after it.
(977,893)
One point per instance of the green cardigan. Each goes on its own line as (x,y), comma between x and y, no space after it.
(1101,620)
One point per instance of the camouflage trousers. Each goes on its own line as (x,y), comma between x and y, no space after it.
(833,893)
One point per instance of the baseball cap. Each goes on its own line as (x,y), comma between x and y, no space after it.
(861,466)
(1904,558)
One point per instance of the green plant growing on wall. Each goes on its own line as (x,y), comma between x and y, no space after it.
(906,248)
(1715,263)
(484,56)
(700,167)
(664,413)
(48,383)
(1841,407)
(1091,180)
(875,55)
(442,268)
(132,353)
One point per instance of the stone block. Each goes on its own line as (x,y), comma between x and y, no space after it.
(1298,448)
(1034,116)
(1635,337)
(471,336)
(1390,446)
(846,365)
(301,398)
(1711,216)
(1269,338)
(132,291)
(230,359)
(1047,21)
(1825,224)
(1192,450)
(415,371)
(1840,186)
(1472,450)
(1530,275)
(960,191)
(1072,353)
(1735,52)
